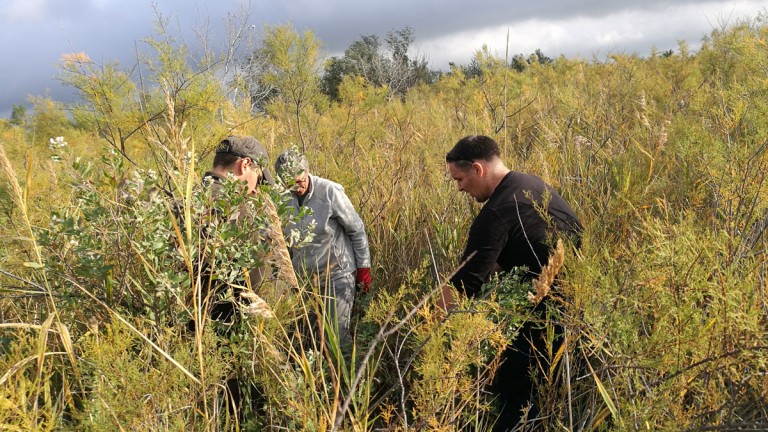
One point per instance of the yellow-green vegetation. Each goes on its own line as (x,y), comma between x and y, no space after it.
(102,297)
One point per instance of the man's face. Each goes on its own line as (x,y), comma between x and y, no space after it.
(300,184)
(469,180)
(249,173)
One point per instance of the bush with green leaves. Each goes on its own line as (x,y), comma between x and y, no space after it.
(664,306)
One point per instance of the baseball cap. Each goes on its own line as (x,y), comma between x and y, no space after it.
(289,164)
(248,147)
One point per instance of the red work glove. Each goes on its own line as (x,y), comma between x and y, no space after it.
(364,279)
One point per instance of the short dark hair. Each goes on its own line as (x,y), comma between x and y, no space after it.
(224,160)
(472,148)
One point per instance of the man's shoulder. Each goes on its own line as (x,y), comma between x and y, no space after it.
(512,193)
(325,184)
(522,180)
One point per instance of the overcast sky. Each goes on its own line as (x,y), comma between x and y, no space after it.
(35,33)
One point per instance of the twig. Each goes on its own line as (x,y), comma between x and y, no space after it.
(26,281)
(432,255)
(135,330)
(385,333)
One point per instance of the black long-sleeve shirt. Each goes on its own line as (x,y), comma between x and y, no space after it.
(511,232)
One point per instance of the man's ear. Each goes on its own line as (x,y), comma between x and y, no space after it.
(478,168)
(250,164)
(237,168)
(242,165)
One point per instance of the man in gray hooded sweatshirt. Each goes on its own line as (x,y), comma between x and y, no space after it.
(337,254)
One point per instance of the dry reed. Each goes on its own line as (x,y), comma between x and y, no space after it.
(543,284)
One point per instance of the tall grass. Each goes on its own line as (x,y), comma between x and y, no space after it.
(664,305)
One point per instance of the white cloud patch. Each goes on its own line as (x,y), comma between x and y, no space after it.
(100,4)
(16,11)
(582,36)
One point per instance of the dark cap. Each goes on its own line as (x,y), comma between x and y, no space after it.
(248,147)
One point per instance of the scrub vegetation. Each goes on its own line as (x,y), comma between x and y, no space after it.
(663,157)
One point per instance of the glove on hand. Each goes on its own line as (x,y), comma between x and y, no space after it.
(364,279)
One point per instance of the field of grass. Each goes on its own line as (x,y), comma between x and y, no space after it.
(663,158)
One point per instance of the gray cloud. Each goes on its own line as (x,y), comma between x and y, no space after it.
(435,18)
(38,32)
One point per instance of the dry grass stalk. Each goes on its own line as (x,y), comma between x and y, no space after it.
(280,256)
(20,364)
(18,195)
(543,283)
(257,306)
(136,331)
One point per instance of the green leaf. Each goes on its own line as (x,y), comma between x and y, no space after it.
(33,265)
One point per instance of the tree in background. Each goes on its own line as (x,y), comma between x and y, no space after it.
(169,88)
(283,76)
(19,115)
(380,64)
(483,60)
(48,120)
(520,62)
(109,104)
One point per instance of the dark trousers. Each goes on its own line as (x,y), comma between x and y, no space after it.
(515,381)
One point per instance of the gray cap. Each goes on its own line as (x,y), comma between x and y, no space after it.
(250,147)
(290,164)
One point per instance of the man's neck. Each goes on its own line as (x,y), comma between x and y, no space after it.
(496,173)
(219,171)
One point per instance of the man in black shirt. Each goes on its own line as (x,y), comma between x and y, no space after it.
(515,228)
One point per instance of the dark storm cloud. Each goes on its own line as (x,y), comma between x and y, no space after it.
(40,32)
(37,32)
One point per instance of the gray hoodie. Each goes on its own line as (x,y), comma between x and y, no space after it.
(339,243)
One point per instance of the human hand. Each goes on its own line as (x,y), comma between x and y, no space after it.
(364,279)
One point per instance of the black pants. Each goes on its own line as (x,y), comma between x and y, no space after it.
(522,363)
(225,314)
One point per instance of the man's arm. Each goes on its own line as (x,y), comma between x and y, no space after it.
(487,237)
(348,218)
